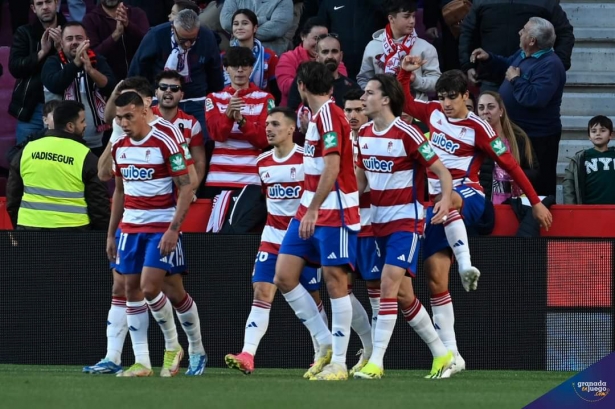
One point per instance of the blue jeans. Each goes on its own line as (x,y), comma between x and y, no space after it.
(25,129)
(196,109)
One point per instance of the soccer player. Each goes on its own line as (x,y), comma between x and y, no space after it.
(366,245)
(324,231)
(185,308)
(147,164)
(169,92)
(392,159)
(281,173)
(461,139)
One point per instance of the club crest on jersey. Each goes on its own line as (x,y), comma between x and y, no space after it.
(278,191)
(439,140)
(147,155)
(373,164)
(134,173)
(309,150)
(390,147)
(463,132)
(498,146)
(293,173)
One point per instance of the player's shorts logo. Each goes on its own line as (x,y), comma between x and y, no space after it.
(591,391)
(278,191)
(134,173)
(438,139)
(373,164)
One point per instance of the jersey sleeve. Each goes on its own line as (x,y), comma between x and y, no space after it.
(174,159)
(417,146)
(416,108)
(331,131)
(493,146)
(114,167)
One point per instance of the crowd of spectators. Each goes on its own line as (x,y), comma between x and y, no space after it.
(514,53)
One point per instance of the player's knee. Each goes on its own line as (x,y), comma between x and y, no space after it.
(283,283)
(264,292)
(119,286)
(150,291)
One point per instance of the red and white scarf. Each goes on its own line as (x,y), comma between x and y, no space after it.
(395,52)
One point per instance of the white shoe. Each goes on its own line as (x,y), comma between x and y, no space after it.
(469,278)
(459,364)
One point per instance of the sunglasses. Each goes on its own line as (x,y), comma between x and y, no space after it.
(332,35)
(173,88)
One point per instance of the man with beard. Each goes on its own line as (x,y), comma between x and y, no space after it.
(78,74)
(32,44)
(115,32)
(330,53)
(53,183)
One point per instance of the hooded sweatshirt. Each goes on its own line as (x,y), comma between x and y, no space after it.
(426,76)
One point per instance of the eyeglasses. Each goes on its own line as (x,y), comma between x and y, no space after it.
(332,35)
(173,88)
(181,40)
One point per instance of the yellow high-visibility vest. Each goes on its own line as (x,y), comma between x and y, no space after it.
(52,173)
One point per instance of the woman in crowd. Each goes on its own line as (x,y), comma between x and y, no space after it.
(286,69)
(497,183)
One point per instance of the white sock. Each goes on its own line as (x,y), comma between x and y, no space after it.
(387,317)
(117,328)
(256,326)
(305,309)
(188,316)
(444,319)
(457,237)
(341,314)
(315,343)
(361,325)
(374,300)
(138,323)
(162,311)
(419,320)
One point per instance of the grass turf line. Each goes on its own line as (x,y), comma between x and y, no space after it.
(66,387)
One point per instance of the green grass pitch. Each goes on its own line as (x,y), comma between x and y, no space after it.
(66,387)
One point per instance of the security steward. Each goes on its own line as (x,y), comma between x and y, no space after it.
(53,182)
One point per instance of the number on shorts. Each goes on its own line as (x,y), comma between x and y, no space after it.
(262,256)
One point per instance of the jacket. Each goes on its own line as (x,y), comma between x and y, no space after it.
(286,70)
(426,76)
(574,179)
(25,67)
(533,99)
(494,26)
(99,27)
(95,192)
(274,20)
(203,60)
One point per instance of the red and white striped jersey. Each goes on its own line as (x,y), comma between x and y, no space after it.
(394,161)
(463,144)
(147,168)
(330,133)
(282,181)
(365,203)
(188,125)
(233,162)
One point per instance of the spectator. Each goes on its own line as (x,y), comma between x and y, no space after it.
(191,50)
(76,9)
(210,18)
(306,51)
(445,41)
(353,21)
(115,32)
(329,53)
(532,93)
(390,45)
(180,5)
(589,176)
(78,74)
(53,182)
(492,25)
(497,184)
(32,44)
(236,121)
(274,20)
(157,11)
(19,11)
(245,25)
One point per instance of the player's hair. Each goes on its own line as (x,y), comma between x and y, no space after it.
(390,87)
(392,7)
(51,106)
(288,113)
(129,98)
(353,94)
(316,77)
(73,24)
(310,23)
(139,84)
(452,81)
(600,120)
(248,13)
(512,132)
(66,112)
(187,20)
(186,5)
(238,57)
(170,75)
